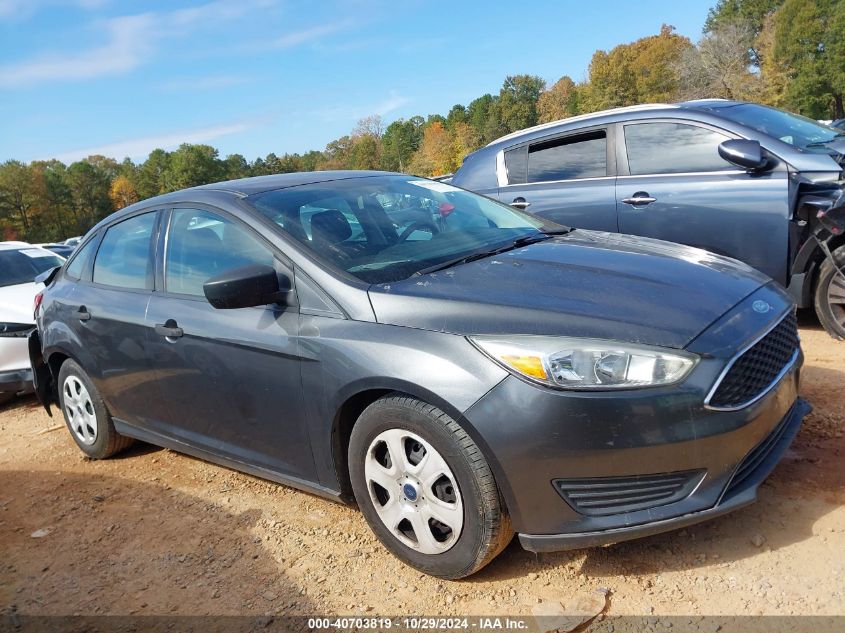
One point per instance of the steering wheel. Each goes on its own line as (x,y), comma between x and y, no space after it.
(417,225)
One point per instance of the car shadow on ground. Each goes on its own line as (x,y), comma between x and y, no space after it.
(95,545)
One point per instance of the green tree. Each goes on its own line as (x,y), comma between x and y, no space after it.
(517,107)
(18,196)
(150,178)
(809,48)
(89,186)
(193,165)
(401,139)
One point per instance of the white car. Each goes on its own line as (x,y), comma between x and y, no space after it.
(19,264)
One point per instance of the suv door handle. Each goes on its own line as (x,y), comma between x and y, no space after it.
(168,329)
(520,203)
(639,198)
(82,314)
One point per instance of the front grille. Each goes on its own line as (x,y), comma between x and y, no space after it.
(752,373)
(600,496)
(757,456)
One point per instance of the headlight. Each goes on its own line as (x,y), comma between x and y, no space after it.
(583,363)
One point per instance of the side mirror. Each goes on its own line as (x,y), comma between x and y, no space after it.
(253,285)
(744,153)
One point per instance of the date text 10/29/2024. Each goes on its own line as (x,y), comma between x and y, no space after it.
(478,623)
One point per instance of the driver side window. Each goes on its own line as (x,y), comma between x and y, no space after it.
(201,244)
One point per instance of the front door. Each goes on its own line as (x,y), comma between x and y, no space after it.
(230,378)
(674,186)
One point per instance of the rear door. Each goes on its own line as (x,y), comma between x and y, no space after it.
(567,178)
(107,314)
(673,185)
(230,378)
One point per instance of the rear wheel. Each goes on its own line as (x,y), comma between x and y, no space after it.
(86,415)
(425,488)
(830,295)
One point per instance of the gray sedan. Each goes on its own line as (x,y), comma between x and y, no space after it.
(460,369)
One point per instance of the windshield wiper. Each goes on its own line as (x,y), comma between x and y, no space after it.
(825,143)
(518,242)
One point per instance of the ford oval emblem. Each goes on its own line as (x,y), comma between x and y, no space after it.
(761,306)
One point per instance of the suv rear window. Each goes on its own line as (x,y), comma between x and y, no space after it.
(569,158)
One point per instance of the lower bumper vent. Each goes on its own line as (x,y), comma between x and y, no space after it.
(601,496)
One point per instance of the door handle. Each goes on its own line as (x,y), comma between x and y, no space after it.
(168,329)
(82,314)
(639,198)
(520,203)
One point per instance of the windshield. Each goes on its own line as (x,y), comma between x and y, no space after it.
(21,266)
(794,129)
(386,228)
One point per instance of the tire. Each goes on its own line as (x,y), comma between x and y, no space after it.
(831,284)
(86,416)
(455,482)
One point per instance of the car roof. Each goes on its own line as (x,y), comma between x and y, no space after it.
(260,184)
(696,104)
(12,245)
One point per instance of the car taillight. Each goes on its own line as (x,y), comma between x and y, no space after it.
(38,299)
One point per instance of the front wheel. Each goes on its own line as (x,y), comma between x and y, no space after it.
(830,295)
(86,415)
(425,488)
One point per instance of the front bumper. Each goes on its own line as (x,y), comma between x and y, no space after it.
(16,381)
(547,447)
(736,497)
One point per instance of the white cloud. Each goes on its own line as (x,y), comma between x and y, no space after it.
(393,102)
(305,36)
(131,41)
(140,147)
(21,9)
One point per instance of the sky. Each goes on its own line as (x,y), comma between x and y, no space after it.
(123,77)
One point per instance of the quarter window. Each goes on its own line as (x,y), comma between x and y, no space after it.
(202,244)
(123,259)
(672,148)
(573,157)
(77,265)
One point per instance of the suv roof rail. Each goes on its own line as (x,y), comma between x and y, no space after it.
(583,117)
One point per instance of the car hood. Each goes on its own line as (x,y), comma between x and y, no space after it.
(16,302)
(585,283)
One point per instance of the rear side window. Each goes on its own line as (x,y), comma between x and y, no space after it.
(672,148)
(201,244)
(80,259)
(123,259)
(570,158)
(516,164)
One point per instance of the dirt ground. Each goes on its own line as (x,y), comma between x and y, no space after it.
(155,532)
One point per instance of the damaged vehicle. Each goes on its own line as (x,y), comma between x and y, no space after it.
(458,368)
(734,178)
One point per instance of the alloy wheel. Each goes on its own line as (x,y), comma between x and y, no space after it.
(836,298)
(413,491)
(81,416)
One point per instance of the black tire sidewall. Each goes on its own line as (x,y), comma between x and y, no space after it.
(827,271)
(461,557)
(100,448)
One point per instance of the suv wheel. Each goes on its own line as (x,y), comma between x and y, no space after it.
(86,415)
(425,488)
(830,295)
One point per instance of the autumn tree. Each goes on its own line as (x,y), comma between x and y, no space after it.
(559,101)
(646,70)
(122,192)
(719,65)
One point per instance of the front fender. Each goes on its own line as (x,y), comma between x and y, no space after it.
(42,379)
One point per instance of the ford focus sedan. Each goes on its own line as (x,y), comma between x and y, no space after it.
(458,368)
